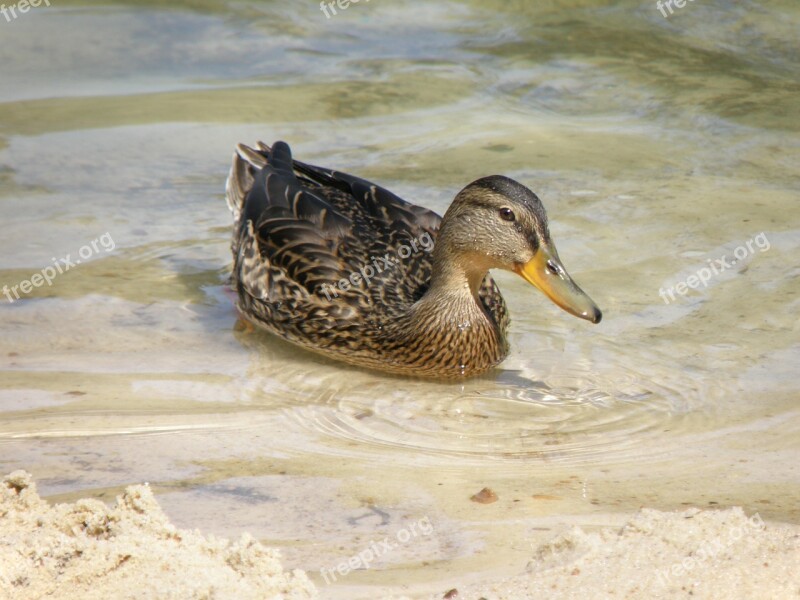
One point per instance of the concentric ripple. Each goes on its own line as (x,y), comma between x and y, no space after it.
(576,415)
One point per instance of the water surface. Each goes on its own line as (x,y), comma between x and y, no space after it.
(657,145)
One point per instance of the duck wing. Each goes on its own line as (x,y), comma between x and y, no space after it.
(299,227)
(300,230)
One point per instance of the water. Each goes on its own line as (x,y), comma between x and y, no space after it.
(657,145)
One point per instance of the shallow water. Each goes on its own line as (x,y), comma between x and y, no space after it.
(656,144)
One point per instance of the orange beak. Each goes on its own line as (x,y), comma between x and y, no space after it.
(546,272)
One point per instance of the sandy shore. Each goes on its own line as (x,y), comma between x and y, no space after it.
(709,555)
(88,550)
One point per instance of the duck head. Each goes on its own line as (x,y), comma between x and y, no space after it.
(498,223)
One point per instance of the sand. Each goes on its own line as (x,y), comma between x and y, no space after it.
(88,550)
(697,554)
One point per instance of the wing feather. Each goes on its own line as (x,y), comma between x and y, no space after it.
(299,227)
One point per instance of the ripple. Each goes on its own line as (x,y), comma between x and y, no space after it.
(577,415)
(543,424)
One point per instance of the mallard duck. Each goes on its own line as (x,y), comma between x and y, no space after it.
(343,267)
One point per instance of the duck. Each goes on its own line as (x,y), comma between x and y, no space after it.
(345,268)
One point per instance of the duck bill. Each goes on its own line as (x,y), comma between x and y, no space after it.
(546,272)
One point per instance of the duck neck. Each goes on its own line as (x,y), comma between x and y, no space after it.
(449,330)
(455,273)
(452,298)
(451,279)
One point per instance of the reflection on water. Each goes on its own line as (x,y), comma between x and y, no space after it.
(655,144)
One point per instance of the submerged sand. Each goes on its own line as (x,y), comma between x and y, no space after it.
(88,550)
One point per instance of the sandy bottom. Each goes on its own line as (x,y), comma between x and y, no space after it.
(88,550)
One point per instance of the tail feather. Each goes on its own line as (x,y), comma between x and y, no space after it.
(280,157)
(267,179)
(276,214)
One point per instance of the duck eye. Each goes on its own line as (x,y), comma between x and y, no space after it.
(507,214)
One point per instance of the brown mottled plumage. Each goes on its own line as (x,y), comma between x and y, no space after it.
(429,307)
